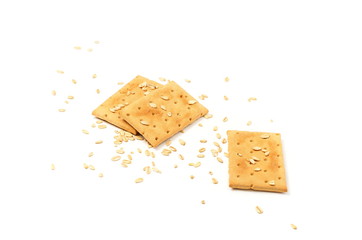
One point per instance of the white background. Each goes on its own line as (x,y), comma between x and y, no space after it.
(300,59)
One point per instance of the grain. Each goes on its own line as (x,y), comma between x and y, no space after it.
(182,142)
(144,123)
(70,97)
(259,210)
(215,128)
(116,158)
(139,180)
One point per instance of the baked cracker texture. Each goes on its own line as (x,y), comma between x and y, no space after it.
(161,114)
(256,161)
(110,110)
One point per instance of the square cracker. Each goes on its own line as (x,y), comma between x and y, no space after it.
(163,113)
(256,161)
(110,110)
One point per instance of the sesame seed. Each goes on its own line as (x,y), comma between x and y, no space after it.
(91,167)
(70,97)
(218,135)
(74,81)
(77,48)
(191,102)
(96,42)
(200,155)
(219,160)
(139,180)
(182,142)
(248,123)
(181,156)
(61,110)
(153,105)
(116,158)
(208,116)
(98,91)
(90,49)
(202,150)
(54,93)
(192,176)
(226,98)
(52,167)
(100,175)
(144,123)
(256,148)
(99,142)
(203,141)
(203,202)
(85,131)
(227,79)
(257,169)
(259,210)
(215,181)
(163,107)
(90,154)
(85,166)
(60,71)
(293,226)
(225,119)
(187,80)
(169,114)
(165,98)
(200,125)
(265,136)
(102,126)
(94,76)
(252,99)
(271,183)
(223,141)
(215,128)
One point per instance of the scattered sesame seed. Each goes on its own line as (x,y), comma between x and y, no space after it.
(181,156)
(202,150)
(153,105)
(85,166)
(74,81)
(61,110)
(85,131)
(191,102)
(70,97)
(187,80)
(203,141)
(54,93)
(200,155)
(182,142)
(207,116)
(144,123)
(100,175)
(259,210)
(203,202)
(91,167)
(60,71)
(226,98)
(219,160)
(225,119)
(90,154)
(215,128)
(265,136)
(90,49)
(139,180)
(215,181)
(52,167)
(293,226)
(252,99)
(192,176)
(77,48)
(102,126)
(116,158)
(227,79)
(248,123)
(99,142)
(98,91)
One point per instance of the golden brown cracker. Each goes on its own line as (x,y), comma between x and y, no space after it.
(163,113)
(110,109)
(256,161)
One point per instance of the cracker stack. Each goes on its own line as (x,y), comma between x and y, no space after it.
(110,110)
(157,112)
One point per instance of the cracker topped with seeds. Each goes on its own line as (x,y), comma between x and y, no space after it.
(161,114)
(256,161)
(110,109)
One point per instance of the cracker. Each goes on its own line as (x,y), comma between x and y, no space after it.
(163,113)
(256,161)
(110,109)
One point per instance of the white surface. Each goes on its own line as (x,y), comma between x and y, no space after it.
(301,60)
